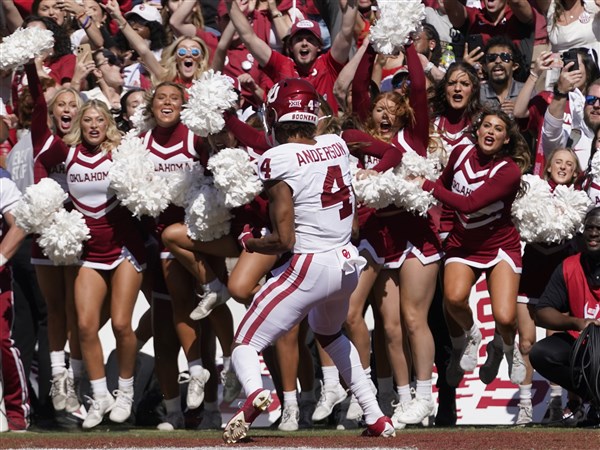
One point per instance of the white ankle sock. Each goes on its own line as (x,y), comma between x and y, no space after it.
(423,389)
(331,375)
(57,362)
(99,387)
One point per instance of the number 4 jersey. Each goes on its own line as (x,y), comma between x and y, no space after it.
(320,179)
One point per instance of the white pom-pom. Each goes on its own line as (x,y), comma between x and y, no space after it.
(182,182)
(542,216)
(37,205)
(376,191)
(24,45)
(409,195)
(209,96)
(133,178)
(62,239)
(206,216)
(235,176)
(140,121)
(398,18)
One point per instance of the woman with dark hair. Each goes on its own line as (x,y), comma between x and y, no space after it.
(129,102)
(483,238)
(59,64)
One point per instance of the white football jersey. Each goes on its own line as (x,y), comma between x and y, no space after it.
(319,176)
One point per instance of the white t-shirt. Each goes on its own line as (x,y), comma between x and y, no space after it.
(584,32)
(319,176)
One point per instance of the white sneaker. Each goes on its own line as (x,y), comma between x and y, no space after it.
(398,411)
(231,386)
(172,421)
(330,396)
(525,416)
(195,391)
(516,365)
(98,408)
(468,359)
(209,301)
(386,401)
(58,390)
(454,373)
(290,418)
(417,410)
(355,412)
(72,403)
(211,420)
(121,410)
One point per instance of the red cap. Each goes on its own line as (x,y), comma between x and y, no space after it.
(306,25)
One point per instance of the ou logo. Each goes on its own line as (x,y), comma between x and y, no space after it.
(346,254)
(273,93)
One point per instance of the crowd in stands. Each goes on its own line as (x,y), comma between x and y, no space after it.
(499,88)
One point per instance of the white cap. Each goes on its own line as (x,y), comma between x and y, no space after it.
(146,12)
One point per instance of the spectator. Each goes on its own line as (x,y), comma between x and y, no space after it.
(502,63)
(585,111)
(513,18)
(304,45)
(568,305)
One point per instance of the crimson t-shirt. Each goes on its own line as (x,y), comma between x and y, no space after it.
(322,76)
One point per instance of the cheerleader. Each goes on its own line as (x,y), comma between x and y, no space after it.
(480,183)
(112,260)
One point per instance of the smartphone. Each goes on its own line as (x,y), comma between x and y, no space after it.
(474,41)
(84,53)
(570,56)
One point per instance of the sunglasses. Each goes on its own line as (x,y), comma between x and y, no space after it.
(193,52)
(505,57)
(591,100)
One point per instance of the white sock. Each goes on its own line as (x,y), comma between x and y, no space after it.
(57,362)
(331,375)
(213,286)
(226,363)
(126,384)
(173,405)
(423,389)
(556,390)
(404,394)
(474,331)
(247,368)
(195,367)
(99,387)
(346,358)
(76,365)
(525,393)
(290,398)
(385,384)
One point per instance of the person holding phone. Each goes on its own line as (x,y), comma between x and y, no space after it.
(585,113)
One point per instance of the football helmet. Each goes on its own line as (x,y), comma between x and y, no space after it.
(292,100)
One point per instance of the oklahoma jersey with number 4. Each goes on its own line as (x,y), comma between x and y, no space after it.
(320,179)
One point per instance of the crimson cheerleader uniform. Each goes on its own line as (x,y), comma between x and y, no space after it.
(400,233)
(481,190)
(42,138)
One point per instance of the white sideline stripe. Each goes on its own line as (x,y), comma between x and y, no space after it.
(253,448)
